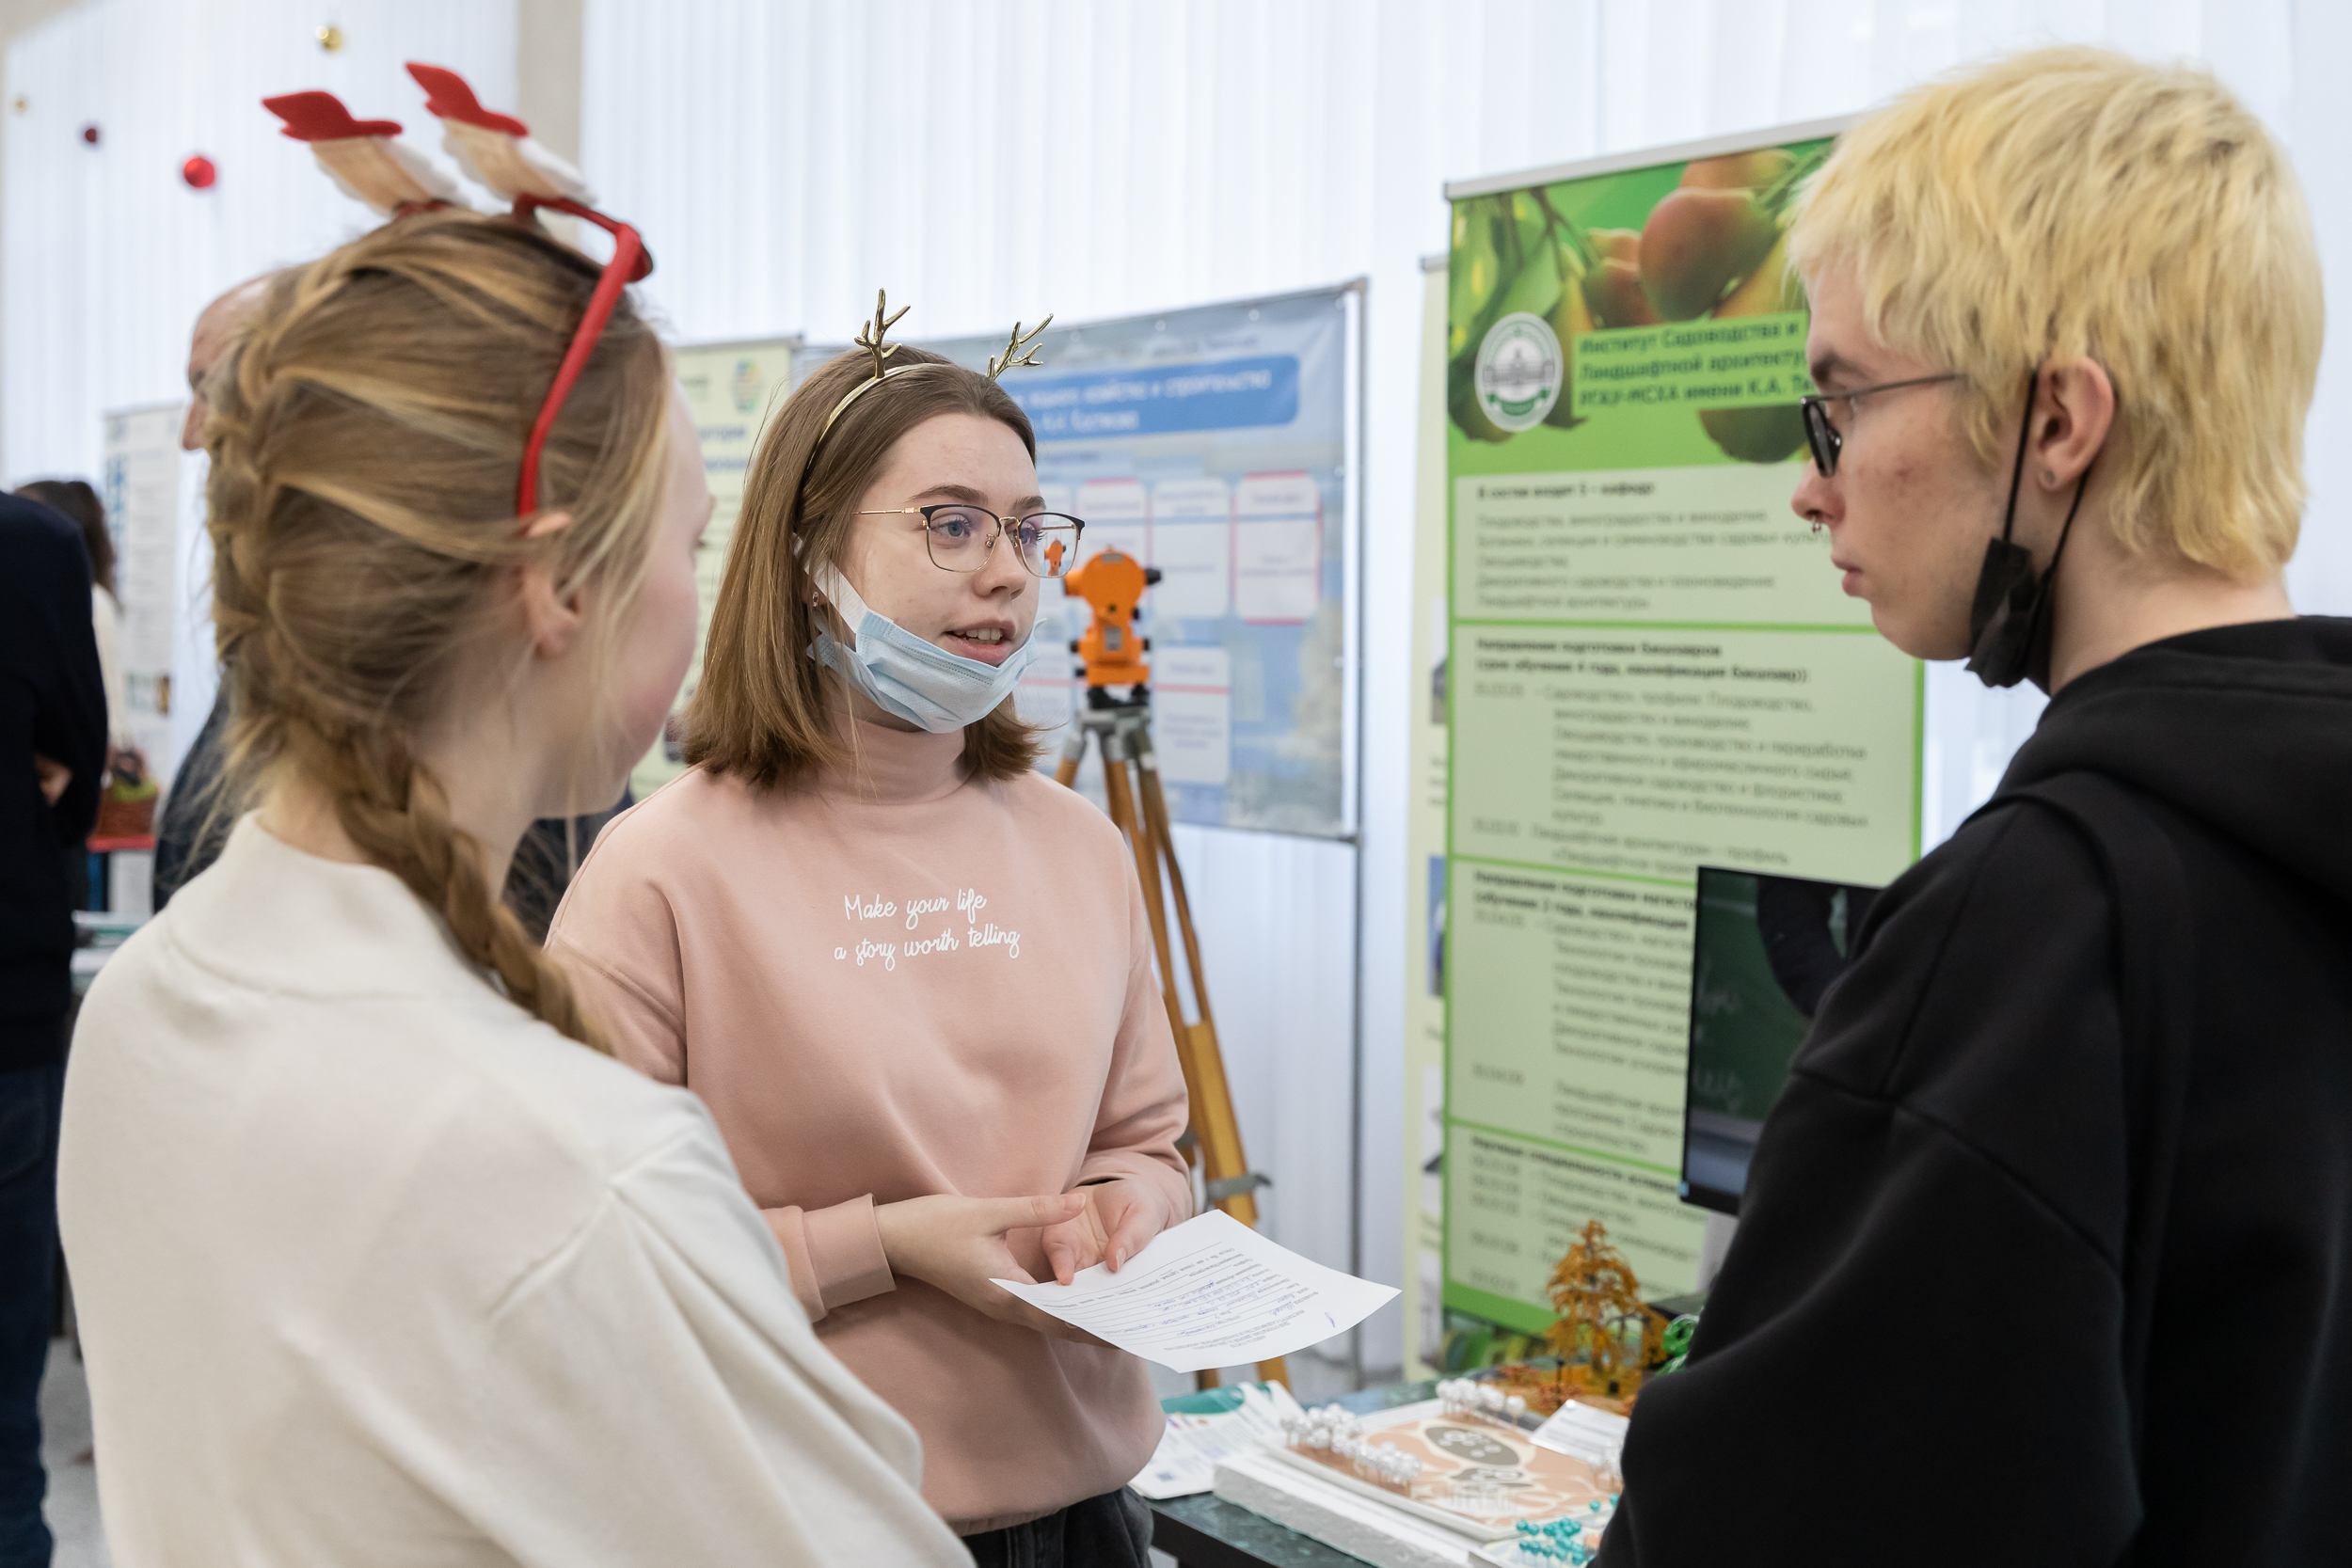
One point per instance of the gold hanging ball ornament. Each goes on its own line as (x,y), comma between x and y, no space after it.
(330,38)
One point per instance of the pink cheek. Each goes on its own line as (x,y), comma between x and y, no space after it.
(642,718)
(680,611)
(664,649)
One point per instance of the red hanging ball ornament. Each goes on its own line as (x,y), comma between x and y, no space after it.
(89,134)
(198,172)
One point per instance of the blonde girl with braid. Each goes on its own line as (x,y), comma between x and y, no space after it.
(381,1256)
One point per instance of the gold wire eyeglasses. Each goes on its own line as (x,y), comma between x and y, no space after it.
(960,536)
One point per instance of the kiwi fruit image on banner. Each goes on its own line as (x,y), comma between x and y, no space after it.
(1532,271)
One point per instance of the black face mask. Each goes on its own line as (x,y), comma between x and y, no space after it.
(2009,624)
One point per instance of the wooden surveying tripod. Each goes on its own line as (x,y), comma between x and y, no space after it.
(1122,727)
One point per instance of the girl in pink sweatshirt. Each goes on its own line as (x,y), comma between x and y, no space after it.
(910,975)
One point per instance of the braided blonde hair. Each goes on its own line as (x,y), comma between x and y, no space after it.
(365,436)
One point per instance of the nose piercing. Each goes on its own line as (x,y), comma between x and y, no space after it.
(1815,518)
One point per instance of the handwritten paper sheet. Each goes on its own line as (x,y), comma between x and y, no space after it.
(1210,1293)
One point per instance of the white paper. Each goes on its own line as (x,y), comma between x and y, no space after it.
(1192,716)
(1192,544)
(1583,1432)
(1117,514)
(1191,1445)
(1210,1293)
(1278,548)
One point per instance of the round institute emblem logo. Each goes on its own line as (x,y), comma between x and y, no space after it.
(1520,371)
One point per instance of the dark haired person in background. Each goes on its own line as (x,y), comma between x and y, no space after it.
(188,831)
(53,748)
(74,501)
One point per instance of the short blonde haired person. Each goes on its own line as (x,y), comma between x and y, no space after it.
(2073,202)
(2081,1096)
(381,1256)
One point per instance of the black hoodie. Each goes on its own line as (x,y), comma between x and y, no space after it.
(2008,1287)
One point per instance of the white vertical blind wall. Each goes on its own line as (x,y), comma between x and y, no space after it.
(987,159)
(106,257)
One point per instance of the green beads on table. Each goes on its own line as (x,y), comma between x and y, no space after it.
(1560,1540)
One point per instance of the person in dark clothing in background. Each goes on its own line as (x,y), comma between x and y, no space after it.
(52,750)
(2045,1255)
(77,503)
(194,823)
(544,860)
(189,832)
(74,501)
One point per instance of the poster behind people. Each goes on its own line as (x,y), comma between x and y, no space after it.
(141,493)
(1422,971)
(1216,444)
(1650,666)
(731,388)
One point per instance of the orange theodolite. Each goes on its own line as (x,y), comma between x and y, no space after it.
(1110,650)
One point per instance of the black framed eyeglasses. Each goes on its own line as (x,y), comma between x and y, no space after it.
(1824,438)
(960,536)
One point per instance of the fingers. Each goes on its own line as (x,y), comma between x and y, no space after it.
(1131,1235)
(1131,1218)
(1075,1243)
(1000,1214)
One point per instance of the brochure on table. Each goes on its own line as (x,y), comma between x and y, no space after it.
(1649,666)
(1214,443)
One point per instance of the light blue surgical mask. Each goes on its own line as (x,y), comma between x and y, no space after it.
(919,680)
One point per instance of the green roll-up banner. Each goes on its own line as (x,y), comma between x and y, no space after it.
(1650,667)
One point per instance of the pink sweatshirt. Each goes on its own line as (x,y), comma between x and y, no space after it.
(890,984)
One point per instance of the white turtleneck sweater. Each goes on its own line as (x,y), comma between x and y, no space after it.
(374,1268)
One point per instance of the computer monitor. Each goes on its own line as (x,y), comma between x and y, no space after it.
(1764,951)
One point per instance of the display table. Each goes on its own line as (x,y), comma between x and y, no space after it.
(1206,1532)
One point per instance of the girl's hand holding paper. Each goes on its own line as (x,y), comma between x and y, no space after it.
(1119,1219)
(958,1246)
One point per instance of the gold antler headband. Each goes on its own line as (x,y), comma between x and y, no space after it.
(1019,351)
(870,334)
(1012,359)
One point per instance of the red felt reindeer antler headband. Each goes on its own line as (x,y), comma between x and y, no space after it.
(498,151)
